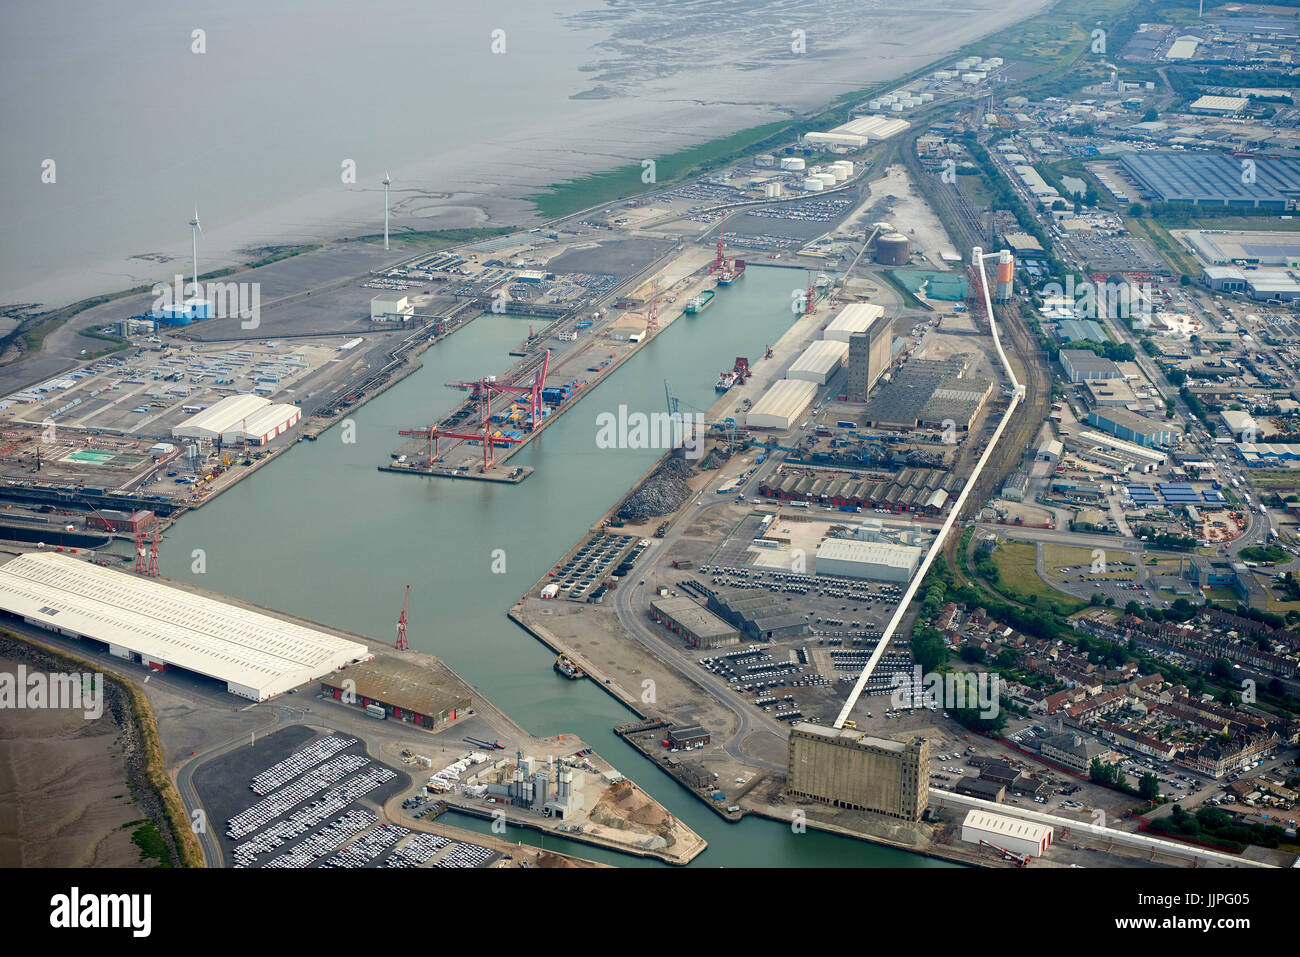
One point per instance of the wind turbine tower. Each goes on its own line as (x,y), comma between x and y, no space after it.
(195,229)
(387,182)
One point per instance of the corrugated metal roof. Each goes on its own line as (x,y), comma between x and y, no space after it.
(170,625)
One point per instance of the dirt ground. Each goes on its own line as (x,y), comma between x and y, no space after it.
(896,201)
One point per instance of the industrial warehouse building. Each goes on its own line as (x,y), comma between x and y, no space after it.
(877,561)
(113,520)
(849,769)
(391,307)
(220,417)
(688,736)
(1084,365)
(1009,833)
(140,619)
(856,134)
(699,626)
(406,690)
(1132,426)
(1180,176)
(901,402)
(782,405)
(760,617)
(819,361)
(853,318)
(264,425)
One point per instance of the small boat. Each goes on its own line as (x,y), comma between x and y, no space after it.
(565,666)
(725,381)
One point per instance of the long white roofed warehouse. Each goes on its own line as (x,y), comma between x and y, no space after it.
(819,361)
(139,619)
(220,417)
(784,402)
(855,317)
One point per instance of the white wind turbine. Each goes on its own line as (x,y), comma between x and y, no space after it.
(195,229)
(387,182)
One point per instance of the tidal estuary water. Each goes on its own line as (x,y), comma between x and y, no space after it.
(321,533)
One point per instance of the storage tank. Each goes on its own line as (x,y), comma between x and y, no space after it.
(772,190)
(927,97)
(793,163)
(838,174)
(827,179)
(812,184)
(765,160)
(873,104)
(971,78)
(892,249)
(911,103)
(980,74)
(896,108)
(845,165)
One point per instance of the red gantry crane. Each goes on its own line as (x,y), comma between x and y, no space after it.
(402,644)
(432,434)
(482,390)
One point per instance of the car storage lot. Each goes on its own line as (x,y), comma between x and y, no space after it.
(225,787)
(351,833)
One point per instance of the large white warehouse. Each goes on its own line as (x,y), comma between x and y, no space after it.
(819,361)
(1020,837)
(162,626)
(855,317)
(878,561)
(264,424)
(782,404)
(221,417)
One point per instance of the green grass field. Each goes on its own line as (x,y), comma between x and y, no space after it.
(625,182)
(1018,578)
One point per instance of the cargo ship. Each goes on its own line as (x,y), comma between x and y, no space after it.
(725,381)
(565,666)
(732,270)
(698,304)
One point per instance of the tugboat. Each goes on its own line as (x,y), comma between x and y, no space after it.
(566,667)
(725,381)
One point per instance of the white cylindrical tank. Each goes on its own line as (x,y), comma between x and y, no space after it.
(873,104)
(812,184)
(765,160)
(771,190)
(793,163)
(838,174)
(971,78)
(827,179)
(896,108)
(927,97)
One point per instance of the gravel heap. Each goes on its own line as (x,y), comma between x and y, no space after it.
(664,492)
